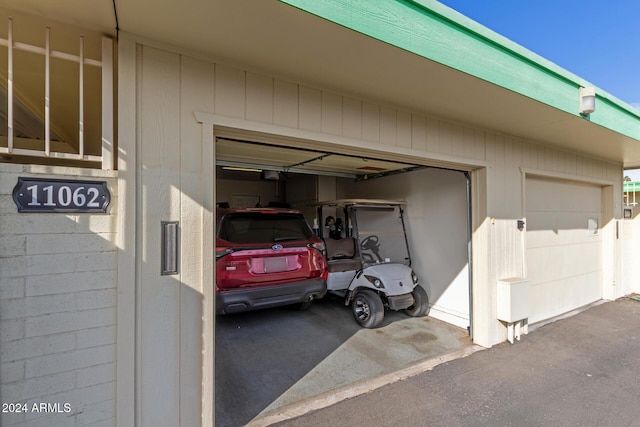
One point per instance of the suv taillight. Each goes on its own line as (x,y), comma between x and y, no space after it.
(220,252)
(320,247)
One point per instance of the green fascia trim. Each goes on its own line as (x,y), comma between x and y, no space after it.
(434,31)
(631,187)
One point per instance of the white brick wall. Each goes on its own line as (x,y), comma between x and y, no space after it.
(58,300)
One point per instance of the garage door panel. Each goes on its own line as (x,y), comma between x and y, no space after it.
(555,237)
(564,257)
(559,221)
(561,196)
(561,296)
(565,261)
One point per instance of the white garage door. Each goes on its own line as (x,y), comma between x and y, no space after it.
(563,246)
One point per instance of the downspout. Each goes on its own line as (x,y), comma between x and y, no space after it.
(467,176)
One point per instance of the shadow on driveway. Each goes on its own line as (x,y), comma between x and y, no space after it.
(271,358)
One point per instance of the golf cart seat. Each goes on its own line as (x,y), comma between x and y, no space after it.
(343,255)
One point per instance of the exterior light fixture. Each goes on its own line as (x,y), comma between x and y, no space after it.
(587,100)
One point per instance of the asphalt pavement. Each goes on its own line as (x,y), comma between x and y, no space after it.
(579,371)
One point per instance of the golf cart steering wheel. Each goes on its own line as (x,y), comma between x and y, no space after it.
(370,243)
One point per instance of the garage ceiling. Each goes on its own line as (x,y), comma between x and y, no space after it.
(250,155)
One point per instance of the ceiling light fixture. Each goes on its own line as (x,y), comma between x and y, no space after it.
(237,168)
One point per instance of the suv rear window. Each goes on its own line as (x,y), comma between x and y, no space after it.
(255,227)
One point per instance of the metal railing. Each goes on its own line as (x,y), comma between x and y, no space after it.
(107,157)
(630,188)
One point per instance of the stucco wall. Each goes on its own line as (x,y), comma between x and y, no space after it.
(58,275)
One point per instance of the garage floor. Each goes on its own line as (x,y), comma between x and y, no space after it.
(268,359)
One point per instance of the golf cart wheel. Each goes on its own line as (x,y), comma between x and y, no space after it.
(367,308)
(420,303)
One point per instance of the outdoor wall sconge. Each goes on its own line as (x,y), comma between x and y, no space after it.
(587,100)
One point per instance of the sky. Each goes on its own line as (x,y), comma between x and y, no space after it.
(595,40)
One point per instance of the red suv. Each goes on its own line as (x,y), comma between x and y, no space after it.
(267,257)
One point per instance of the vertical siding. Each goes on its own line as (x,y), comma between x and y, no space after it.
(58,275)
(331,113)
(404,129)
(160,201)
(433,135)
(418,133)
(471,144)
(497,175)
(259,97)
(173,187)
(352,118)
(447,138)
(483,292)
(285,104)
(371,123)
(387,127)
(230,87)
(309,109)
(197,93)
(513,178)
(127,225)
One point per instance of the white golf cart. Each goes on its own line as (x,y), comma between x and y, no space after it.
(368,259)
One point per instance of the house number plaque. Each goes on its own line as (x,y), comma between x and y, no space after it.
(59,195)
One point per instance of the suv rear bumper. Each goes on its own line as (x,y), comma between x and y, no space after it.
(245,299)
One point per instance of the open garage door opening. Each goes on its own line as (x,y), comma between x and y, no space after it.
(436,203)
(305,353)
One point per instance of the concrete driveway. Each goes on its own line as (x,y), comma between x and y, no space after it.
(580,371)
(272,359)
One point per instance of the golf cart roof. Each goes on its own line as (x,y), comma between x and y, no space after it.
(360,202)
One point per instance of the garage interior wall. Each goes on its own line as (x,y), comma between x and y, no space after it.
(436,221)
(162,139)
(243,189)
